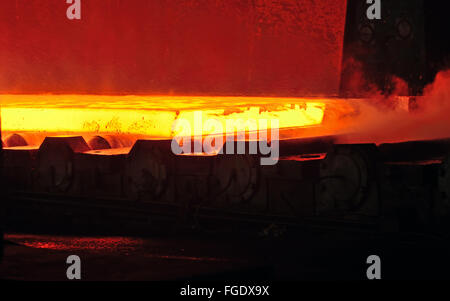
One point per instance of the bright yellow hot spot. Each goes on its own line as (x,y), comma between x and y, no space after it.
(153,116)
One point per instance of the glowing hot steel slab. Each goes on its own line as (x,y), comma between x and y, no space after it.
(152,116)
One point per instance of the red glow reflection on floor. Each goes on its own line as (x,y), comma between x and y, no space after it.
(147,248)
(76,243)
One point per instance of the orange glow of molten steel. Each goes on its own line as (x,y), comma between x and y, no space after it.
(151,116)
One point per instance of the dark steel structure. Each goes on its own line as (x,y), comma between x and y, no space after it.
(408,43)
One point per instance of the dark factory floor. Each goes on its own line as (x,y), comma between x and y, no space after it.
(300,256)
